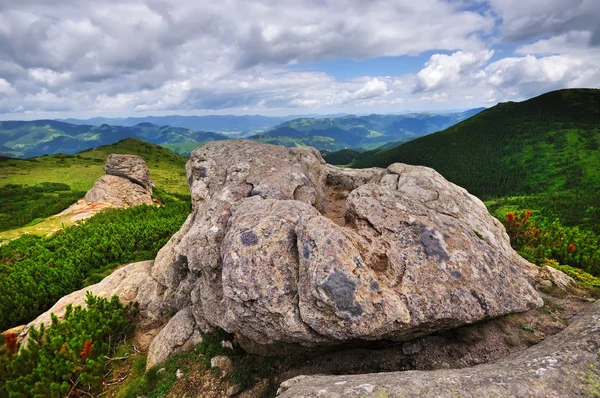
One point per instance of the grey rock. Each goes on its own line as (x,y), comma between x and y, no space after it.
(233,390)
(118,192)
(223,363)
(179,334)
(258,259)
(178,374)
(546,283)
(131,167)
(563,365)
(350,179)
(127,183)
(555,277)
(131,283)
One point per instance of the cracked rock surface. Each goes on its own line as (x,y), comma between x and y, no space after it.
(258,259)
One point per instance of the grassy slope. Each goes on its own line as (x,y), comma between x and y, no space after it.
(167,169)
(546,144)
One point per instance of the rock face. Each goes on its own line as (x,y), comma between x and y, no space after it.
(258,259)
(131,167)
(126,183)
(564,365)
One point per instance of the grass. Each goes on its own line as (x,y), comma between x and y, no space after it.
(44,227)
(167,169)
(79,172)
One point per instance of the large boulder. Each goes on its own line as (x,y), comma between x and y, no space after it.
(258,258)
(126,183)
(564,365)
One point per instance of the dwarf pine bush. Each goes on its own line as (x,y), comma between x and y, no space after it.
(67,358)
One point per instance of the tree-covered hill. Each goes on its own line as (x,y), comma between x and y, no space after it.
(546,144)
(26,139)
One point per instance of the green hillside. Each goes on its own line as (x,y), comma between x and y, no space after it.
(546,144)
(537,165)
(80,171)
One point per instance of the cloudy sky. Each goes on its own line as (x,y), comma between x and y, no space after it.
(85,58)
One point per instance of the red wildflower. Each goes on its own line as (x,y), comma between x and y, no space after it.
(10,339)
(536,233)
(518,224)
(571,248)
(527,215)
(510,217)
(87,350)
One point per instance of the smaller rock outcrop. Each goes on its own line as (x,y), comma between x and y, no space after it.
(179,335)
(126,183)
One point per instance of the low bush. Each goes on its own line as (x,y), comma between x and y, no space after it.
(35,271)
(539,241)
(67,358)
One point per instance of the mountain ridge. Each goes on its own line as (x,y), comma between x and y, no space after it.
(25,139)
(351,131)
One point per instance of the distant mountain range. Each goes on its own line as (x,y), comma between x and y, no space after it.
(366,132)
(238,126)
(25,139)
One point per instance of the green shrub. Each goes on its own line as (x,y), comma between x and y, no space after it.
(21,204)
(539,241)
(579,275)
(68,357)
(35,272)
